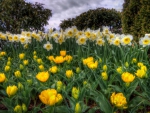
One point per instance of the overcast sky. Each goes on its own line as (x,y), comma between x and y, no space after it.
(64,9)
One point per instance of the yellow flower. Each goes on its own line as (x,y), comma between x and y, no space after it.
(63,53)
(140,64)
(17,74)
(7,68)
(140,73)
(134,60)
(25,62)
(69,73)
(18,109)
(11,90)
(3,53)
(53,69)
(92,65)
(78,108)
(41,67)
(59,59)
(21,56)
(87,60)
(119,100)
(59,98)
(39,61)
(68,58)
(42,76)
(104,76)
(75,92)
(127,77)
(119,70)
(50,97)
(104,67)
(51,58)
(2,77)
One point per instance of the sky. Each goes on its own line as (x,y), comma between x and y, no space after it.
(64,9)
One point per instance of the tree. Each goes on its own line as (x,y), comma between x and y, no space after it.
(17,15)
(67,23)
(96,18)
(135,17)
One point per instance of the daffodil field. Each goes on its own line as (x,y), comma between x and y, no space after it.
(72,71)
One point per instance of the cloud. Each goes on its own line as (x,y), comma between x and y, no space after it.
(64,9)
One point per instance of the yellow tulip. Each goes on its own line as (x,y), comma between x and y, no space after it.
(63,53)
(21,55)
(50,97)
(2,77)
(53,69)
(69,73)
(7,68)
(17,74)
(11,90)
(25,62)
(59,59)
(42,76)
(119,100)
(104,76)
(127,77)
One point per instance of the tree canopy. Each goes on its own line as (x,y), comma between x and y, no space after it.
(94,19)
(136,17)
(17,15)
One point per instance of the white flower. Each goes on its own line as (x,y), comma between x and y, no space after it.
(48,46)
(82,40)
(100,42)
(126,39)
(144,41)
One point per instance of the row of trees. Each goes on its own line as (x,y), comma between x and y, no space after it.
(17,15)
(95,19)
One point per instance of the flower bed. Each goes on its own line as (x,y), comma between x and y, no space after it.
(74,71)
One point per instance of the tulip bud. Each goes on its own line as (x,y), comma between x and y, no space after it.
(29,81)
(17,74)
(18,109)
(59,86)
(78,70)
(104,67)
(78,108)
(24,107)
(75,92)
(20,86)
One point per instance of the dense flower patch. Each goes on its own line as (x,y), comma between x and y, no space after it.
(74,71)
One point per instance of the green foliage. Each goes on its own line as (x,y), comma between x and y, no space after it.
(135,17)
(94,19)
(17,15)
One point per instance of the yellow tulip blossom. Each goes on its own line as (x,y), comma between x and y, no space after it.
(11,90)
(43,76)
(63,53)
(2,77)
(127,77)
(119,100)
